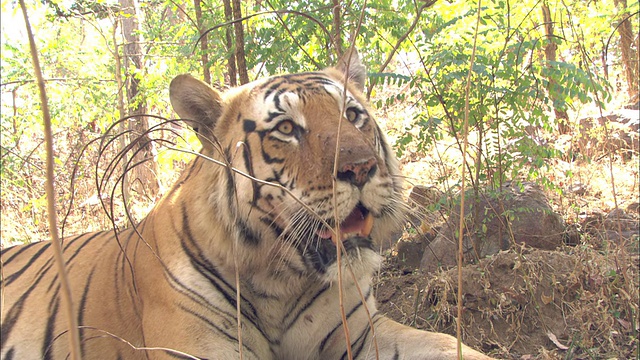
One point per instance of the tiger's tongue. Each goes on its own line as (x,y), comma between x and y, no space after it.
(356,223)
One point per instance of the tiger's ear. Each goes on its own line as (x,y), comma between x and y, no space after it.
(197,103)
(357,72)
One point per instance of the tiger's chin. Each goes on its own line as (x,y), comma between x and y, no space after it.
(361,259)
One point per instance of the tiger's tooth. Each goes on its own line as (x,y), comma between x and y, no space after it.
(368,225)
(363,231)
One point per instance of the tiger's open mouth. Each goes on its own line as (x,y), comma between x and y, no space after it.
(355,231)
(358,223)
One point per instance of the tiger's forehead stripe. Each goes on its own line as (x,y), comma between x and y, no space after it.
(284,103)
(337,90)
(285,95)
(308,80)
(311,82)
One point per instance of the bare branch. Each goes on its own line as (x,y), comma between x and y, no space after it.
(67,303)
(27,81)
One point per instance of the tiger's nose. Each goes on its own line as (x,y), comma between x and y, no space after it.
(358,173)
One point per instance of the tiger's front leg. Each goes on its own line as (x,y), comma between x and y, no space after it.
(392,340)
(316,331)
(397,341)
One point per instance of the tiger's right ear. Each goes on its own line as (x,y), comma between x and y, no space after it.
(357,73)
(197,103)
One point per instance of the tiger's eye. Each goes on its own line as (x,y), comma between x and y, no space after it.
(286,127)
(352,115)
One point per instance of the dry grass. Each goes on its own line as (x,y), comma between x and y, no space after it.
(576,303)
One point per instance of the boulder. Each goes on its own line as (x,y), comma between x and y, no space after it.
(618,226)
(518,213)
(409,253)
(623,126)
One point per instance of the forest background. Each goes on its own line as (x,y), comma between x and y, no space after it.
(540,68)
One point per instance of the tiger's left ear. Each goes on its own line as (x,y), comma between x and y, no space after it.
(197,103)
(357,72)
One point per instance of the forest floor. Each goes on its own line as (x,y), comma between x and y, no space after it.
(579,301)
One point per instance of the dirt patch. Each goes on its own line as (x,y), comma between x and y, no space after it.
(574,303)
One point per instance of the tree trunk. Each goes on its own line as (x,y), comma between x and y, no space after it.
(240,58)
(144,174)
(629,56)
(337,28)
(550,56)
(121,127)
(204,45)
(231,62)
(603,60)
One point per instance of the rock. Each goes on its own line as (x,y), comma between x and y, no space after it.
(424,196)
(633,208)
(617,227)
(625,236)
(618,219)
(623,126)
(409,253)
(634,103)
(591,221)
(512,216)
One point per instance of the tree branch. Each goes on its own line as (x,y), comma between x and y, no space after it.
(402,38)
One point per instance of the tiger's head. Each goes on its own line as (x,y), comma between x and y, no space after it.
(307,155)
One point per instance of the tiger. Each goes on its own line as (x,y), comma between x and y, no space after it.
(264,248)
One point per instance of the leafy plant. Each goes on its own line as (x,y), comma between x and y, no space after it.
(510,99)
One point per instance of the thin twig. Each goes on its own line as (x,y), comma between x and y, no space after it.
(174,352)
(338,238)
(293,37)
(236,246)
(74,336)
(462,185)
(259,181)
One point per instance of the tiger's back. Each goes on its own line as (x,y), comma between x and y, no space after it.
(33,321)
